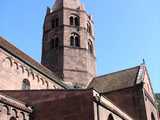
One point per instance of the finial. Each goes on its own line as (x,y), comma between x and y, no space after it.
(144,61)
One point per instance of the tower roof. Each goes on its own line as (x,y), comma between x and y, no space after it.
(73,4)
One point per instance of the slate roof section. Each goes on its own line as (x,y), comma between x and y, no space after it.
(4,44)
(115,81)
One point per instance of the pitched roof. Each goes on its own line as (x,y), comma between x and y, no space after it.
(4,44)
(115,81)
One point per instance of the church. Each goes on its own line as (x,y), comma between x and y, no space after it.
(64,86)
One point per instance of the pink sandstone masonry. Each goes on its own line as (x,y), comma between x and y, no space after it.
(14,71)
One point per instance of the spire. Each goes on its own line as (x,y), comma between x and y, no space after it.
(73,4)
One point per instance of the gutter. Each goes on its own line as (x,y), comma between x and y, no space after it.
(110,106)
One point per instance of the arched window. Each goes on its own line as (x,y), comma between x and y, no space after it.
(74,20)
(152,116)
(72,40)
(89,28)
(75,40)
(55,22)
(71,20)
(12,118)
(110,117)
(54,43)
(25,84)
(90,46)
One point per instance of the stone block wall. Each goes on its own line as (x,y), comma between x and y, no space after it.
(10,108)
(13,71)
(129,100)
(151,110)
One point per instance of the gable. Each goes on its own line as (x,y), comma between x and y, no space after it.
(147,84)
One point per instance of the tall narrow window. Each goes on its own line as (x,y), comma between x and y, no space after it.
(90,46)
(75,40)
(53,23)
(72,41)
(54,43)
(76,21)
(89,28)
(71,20)
(25,84)
(57,22)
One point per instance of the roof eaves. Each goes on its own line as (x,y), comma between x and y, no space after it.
(30,61)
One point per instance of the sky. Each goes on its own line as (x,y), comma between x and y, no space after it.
(127,31)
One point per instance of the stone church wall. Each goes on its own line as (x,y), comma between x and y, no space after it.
(7,112)
(14,109)
(13,72)
(104,114)
(79,63)
(129,100)
(150,108)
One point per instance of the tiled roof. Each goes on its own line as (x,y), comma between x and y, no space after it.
(115,81)
(30,61)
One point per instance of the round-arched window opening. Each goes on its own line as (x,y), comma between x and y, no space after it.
(72,41)
(55,43)
(12,118)
(25,84)
(75,40)
(55,22)
(152,116)
(89,28)
(76,21)
(110,117)
(90,46)
(71,20)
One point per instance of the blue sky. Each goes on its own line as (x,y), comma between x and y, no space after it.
(126,31)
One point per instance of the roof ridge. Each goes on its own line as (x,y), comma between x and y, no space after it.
(19,54)
(46,90)
(117,71)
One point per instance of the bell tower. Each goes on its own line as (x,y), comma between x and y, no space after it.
(69,43)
